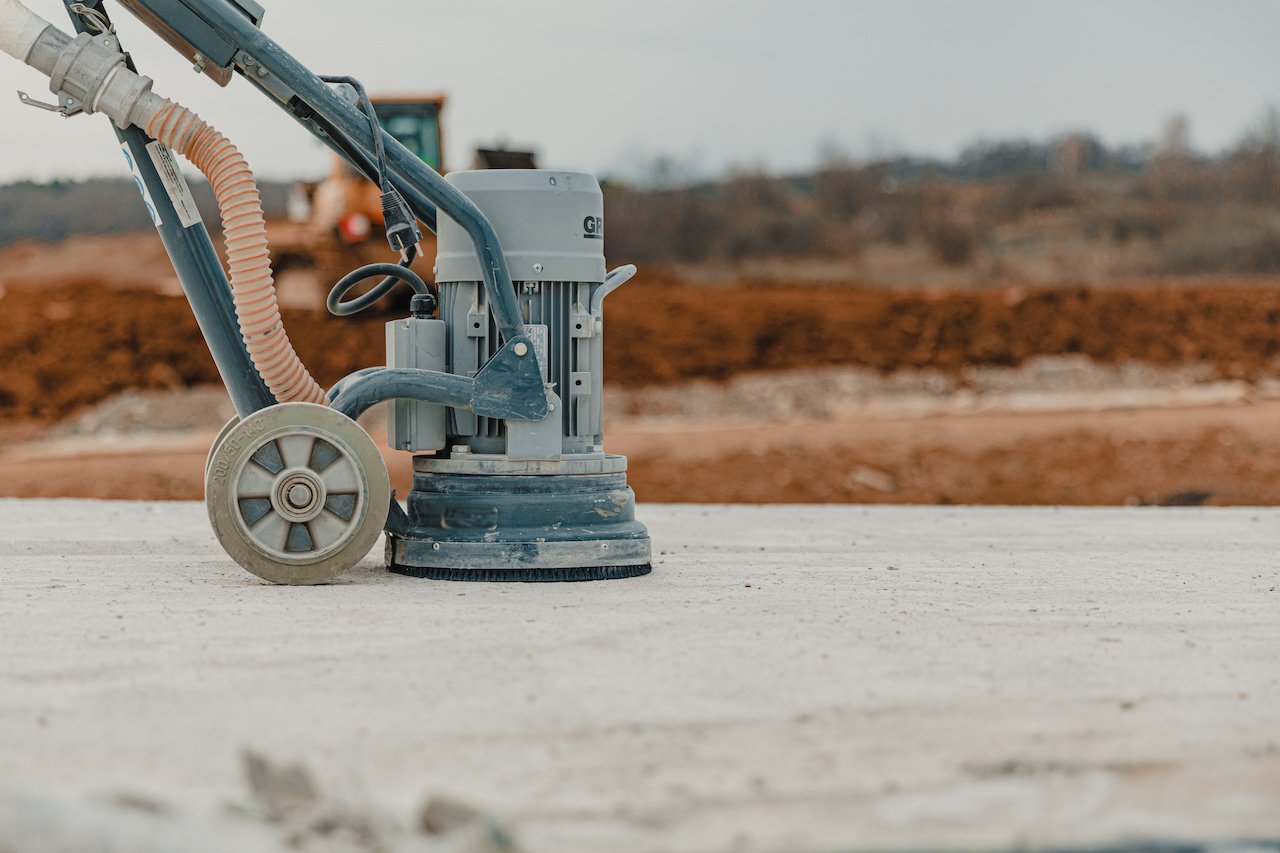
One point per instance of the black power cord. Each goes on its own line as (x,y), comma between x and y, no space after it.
(423,302)
(401,228)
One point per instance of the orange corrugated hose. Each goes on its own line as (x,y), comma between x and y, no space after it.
(244,230)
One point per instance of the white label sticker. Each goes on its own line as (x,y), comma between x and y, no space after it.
(174,184)
(142,186)
(540,335)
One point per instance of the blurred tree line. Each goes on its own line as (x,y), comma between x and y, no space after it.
(1195,213)
(1174,210)
(58,209)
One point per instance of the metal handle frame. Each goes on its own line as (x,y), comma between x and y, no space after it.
(301,93)
(343,128)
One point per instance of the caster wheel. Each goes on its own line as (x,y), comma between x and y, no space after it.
(297,493)
(226,429)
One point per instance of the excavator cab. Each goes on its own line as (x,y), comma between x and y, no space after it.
(415,123)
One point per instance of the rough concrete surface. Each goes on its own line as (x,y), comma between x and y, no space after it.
(803,678)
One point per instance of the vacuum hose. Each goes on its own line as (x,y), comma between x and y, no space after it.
(97,76)
(244,230)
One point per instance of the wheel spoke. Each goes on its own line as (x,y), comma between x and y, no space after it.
(340,478)
(272,531)
(255,482)
(295,449)
(326,529)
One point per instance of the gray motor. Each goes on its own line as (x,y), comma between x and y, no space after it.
(527,500)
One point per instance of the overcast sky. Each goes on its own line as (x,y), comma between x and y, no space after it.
(607,86)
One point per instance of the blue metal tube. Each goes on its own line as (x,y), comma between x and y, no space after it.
(200,272)
(205,285)
(333,392)
(240,32)
(359,394)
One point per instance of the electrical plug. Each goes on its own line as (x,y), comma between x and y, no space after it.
(401,224)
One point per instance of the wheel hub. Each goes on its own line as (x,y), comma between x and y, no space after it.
(298,495)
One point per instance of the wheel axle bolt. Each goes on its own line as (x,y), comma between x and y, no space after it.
(299,496)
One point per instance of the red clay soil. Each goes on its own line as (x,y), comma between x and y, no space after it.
(59,353)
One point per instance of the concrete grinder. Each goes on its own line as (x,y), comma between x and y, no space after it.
(494,382)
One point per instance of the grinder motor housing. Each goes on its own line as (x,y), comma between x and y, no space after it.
(516,498)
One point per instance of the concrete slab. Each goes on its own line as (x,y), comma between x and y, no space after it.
(789,678)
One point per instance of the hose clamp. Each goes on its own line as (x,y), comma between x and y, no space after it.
(82,73)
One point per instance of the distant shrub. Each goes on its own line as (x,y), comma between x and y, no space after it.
(951,242)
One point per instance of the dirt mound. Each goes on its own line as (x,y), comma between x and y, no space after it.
(133,260)
(63,352)
(685,332)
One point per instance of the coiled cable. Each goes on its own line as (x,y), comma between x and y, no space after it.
(395,273)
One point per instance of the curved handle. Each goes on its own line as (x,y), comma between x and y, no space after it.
(612,282)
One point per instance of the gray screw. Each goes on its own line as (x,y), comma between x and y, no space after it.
(537,267)
(262,72)
(435,546)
